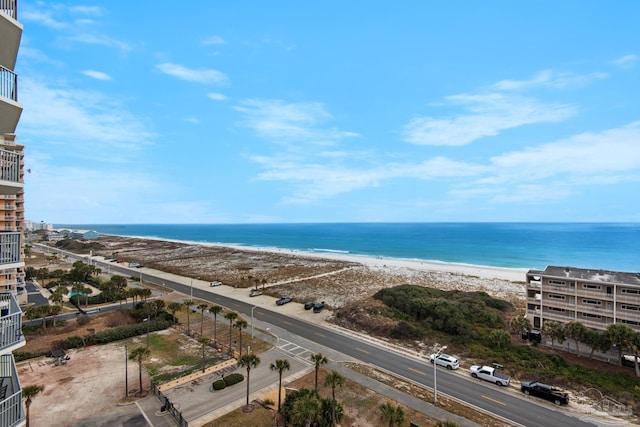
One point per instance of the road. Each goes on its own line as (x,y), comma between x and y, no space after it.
(489,397)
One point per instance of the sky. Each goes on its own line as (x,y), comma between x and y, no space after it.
(332,111)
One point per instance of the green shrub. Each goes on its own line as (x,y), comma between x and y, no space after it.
(219,384)
(232,379)
(20,356)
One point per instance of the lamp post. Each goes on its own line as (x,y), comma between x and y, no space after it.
(126,373)
(252,308)
(435,357)
(191,288)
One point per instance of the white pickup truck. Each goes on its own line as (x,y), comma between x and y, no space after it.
(490,374)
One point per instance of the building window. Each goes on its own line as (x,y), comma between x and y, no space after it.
(592,316)
(590,286)
(631,291)
(591,301)
(561,310)
(556,296)
(630,307)
(630,322)
(557,282)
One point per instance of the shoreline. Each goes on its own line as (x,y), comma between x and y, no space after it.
(516,275)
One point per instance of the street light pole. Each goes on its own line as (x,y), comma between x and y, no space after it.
(126,373)
(252,308)
(191,288)
(435,357)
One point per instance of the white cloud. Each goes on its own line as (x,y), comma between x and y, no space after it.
(98,75)
(487,115)
(214,40)
(216,96)
(192,75)
(550,79)
(42,17)
(99,39)
(192,120)
(626,61)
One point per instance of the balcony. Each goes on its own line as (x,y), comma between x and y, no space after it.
(11,323)
(11,412)
(10,244)
(10,108)
(10,33)
(10,180)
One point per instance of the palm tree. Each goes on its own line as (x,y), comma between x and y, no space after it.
(248,361)
(138,354)
(202,306)
(620,335)
(215,310)
(188,303)
(240,325)
(173,307)
(29,393)
(392,414)
(577,332)
(54,310)
(280,365)
(204,341)
(333,379)
(230,316)
(319,360)
(306,410)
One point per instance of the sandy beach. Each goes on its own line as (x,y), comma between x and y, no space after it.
(336,278)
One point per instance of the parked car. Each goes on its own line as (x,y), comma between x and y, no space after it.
(255,292)
(215,283)
(545,391)
(135,265)
(490,374)
(309,305)
(318,307)
(283,300)
(445,360)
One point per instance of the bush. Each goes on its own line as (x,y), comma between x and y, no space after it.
(83,320)
(219,384)
(232,379)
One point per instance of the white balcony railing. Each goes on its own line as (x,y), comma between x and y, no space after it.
(11,412)
(10,166)
(10,323)
(10,244)
(9,7)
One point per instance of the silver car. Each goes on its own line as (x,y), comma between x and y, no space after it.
(445,360)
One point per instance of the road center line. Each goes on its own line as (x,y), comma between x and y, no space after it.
(416,371)
(364,351)
(493,400)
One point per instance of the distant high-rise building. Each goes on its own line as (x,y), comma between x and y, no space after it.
(12,286)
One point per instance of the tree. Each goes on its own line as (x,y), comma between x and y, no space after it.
(333,379)
(248,361)
(499,338)
(577,332)
(306,410)
(520,324)
(188,303)
(392,414)
(54,310)
(318,359)
(119,282)
(280,365)
(634,343)
(215,310)
(204,341)
(554,331)
(29,393)
(230,316)
(138,354)
(240,324)
(173,307)
(620,336)
(597,340)
(202,306)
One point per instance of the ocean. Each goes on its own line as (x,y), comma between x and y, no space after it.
(606,246)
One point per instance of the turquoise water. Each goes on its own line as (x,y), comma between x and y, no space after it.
(608,246)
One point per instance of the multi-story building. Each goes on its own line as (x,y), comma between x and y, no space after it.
(11,219)
(595,298)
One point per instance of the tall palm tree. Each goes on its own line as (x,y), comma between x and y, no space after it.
(248,361)
(392,414)
(173,307)
(280,365)
(318,359)
(215,310)
(306,410)
(139,353)
(240,325)
(230,316)
(204,341)
(188,303)
(29,393)
(202,306)
(333,379)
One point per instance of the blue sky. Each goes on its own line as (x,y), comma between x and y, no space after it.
(333,111)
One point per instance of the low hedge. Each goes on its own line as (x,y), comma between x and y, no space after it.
(114,334)
(232,379)
(219,385)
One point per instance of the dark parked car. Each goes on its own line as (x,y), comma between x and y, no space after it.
(309,305)
(283,300)
(317,307)
(545,391)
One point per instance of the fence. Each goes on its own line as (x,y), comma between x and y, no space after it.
(168,406)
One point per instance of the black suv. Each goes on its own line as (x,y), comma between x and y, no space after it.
(309,305)
(317,307)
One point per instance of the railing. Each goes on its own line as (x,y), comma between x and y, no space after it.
(168,406)
(8,207)
(10,166)
(9,7)
(11,321)
(11,412)
(10,248)
(8,83)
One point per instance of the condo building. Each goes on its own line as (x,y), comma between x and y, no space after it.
(12,289)
(595,298)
